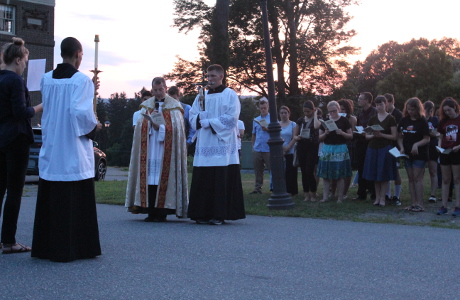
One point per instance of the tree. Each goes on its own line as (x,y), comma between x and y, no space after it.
(424,73)
(308,42)
(380,63)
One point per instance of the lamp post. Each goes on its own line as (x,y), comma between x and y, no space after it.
(279,199)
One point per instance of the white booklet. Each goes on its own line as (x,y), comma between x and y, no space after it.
(395,152)
(262,122)
(443,151)
(156,119)
(330,124)
(359,129)
(371,129)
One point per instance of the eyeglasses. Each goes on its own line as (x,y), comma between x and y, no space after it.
(332,111)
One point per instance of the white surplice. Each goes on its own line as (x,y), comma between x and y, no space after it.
(67,117)
(219,148)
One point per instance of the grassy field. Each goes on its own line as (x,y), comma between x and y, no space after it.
(113,192)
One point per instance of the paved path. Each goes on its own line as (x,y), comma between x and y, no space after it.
(255,258)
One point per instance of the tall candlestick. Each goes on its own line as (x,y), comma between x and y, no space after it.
(96,40)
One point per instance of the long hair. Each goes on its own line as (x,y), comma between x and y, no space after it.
(448,102)
(415,103)
(346,104)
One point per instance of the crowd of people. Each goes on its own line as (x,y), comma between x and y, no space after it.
(166,131)
(373,144)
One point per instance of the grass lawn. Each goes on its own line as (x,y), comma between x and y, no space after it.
(113,192)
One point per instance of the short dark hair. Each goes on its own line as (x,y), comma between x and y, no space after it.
(14,50)
(368,96)
(390,97)
(428,105)
(174,90)
(309,104)
(146,93)
(158,80)
(217,68)
(70,46)
(380,99)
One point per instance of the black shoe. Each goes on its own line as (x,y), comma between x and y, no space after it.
(216,222)
(256,192)
(396,201)
(155,219)
(202,221)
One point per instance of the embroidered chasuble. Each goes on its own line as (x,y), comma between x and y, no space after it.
(159,158)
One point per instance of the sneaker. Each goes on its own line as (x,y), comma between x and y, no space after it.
(456,212)
(396,201)
(442,211)
(432,199)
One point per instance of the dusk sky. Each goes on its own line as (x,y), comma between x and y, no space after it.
(138,42)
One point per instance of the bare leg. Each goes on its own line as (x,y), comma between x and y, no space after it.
(326,187)
(346,185)
(410,177)
(446,172)
(340,186)
(334,187)
(432,167)
(377,186)
(383,188)
(418,185)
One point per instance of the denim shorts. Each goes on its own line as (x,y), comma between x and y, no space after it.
(414,163)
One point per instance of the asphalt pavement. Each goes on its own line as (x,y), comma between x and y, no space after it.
(254,258)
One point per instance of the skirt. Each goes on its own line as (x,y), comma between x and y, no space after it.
(334,162)
(379,164)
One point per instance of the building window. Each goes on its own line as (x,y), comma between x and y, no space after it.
(7,18)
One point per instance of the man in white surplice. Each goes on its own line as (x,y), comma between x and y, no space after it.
(216,192)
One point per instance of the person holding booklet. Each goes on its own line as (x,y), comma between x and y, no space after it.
(157,181)
(287,133)
(380,165)
(306,134)
(450,162)
(260,148)
(413,139)
(334,161)
(433,123)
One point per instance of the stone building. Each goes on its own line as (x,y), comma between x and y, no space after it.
(33,21)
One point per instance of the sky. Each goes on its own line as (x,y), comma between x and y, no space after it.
(138,42)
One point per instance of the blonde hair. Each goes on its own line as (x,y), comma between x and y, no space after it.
(14,50)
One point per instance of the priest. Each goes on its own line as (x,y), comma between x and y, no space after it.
(216,192)
(157,181)
(65,227)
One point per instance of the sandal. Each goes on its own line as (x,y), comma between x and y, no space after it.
(417,209)
(15,248)
(410,207)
